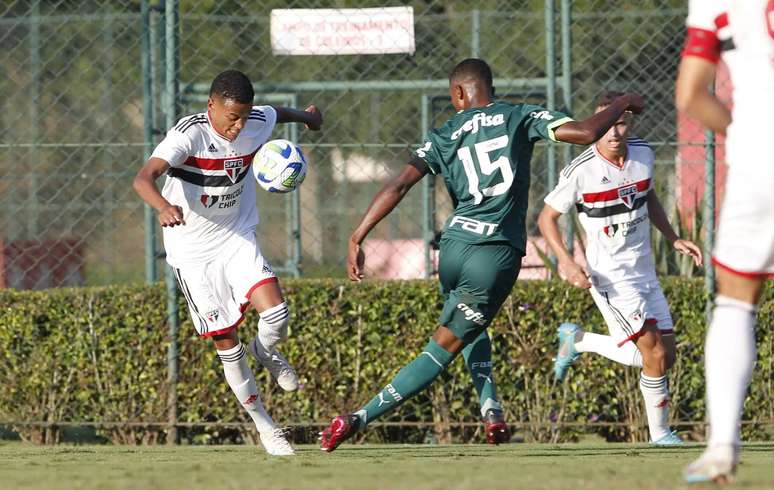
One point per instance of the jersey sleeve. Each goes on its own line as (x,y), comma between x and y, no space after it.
(267,115)
(429,153)
(540,123)
(566,193)
(174,149)
(705,19)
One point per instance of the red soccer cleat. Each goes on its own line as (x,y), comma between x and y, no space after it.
(497,431)
(342,428)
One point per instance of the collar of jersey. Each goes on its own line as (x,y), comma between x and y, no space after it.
(476,108)
(613,164)
(215,130)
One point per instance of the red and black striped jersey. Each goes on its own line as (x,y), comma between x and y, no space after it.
(211,179)
(612,207)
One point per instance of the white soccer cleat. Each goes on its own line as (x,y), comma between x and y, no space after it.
(276,442)
(716,464)
(278,366)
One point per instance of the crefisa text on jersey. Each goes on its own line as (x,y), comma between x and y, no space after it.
(478,120)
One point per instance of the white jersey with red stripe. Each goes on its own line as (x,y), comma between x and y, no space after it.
(742,34)
(613,209)
(211,179)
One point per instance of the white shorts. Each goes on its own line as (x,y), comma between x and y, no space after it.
(626,308)
(745,239)
(218,292)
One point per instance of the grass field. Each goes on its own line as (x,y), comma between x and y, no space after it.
(412,467)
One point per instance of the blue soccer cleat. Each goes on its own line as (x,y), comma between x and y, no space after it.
(671,439)
(566,354)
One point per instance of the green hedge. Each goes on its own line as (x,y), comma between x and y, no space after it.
(100,354)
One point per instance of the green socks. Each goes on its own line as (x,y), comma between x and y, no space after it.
(478,358)
(410,380)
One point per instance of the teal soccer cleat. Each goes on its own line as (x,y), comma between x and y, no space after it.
(566,354)
(671,439)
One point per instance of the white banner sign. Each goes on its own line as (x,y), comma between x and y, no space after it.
(342,31)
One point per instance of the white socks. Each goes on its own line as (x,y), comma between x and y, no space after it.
(242,382)
(273,326)
(728,362)
(604,345)
(656,394)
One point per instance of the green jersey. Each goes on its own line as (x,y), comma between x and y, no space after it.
(484,156)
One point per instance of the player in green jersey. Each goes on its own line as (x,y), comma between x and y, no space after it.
(483,153)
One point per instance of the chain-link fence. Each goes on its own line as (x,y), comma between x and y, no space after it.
(91,86)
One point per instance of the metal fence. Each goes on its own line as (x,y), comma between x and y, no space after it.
(91,86)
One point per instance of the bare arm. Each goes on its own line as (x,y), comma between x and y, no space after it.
(549,227)
(311,116)
(145,186)
(659,219)
(591,129)
(693,97)
(382,204)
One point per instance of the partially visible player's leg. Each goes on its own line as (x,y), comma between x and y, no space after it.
(241,380)
(472,278)
(607,346)
(478,359)
(253,282)
(273,320)
(729,356)
(744,258)
(413,378)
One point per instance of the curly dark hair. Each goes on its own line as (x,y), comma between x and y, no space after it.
(233,85)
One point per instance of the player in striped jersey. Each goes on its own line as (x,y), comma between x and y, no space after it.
(740,33)
(611,186)
(208,214)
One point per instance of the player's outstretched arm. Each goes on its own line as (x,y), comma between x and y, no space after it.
(591,129)
(382,204)
(659,219)
(549,227)
(692,95)
(311,116)
(145,186)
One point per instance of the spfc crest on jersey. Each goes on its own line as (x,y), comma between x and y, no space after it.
(208,201)
(627,193)
(212,316)
(233,168)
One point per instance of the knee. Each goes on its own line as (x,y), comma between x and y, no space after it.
(656,357)
(273,325)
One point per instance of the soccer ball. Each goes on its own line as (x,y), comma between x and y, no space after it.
(279,166)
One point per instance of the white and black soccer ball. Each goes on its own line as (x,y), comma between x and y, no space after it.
(279,166)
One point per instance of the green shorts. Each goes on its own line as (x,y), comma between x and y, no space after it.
(475,280)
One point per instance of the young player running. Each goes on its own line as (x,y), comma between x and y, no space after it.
(208,214)
(483,153)
(742,34)
(611,186)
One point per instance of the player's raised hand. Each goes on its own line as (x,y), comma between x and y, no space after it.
(636,102)
(574,274)
(316,118)
(355,262)
(687,247)
(171,215)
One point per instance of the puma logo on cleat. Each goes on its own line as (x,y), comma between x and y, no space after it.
(382,401)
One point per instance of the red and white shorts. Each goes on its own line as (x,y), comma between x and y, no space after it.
(626,308)
(745,239)
(218,292)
